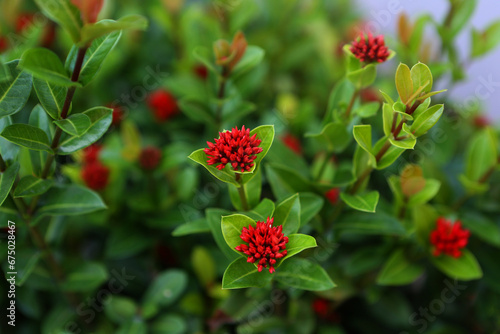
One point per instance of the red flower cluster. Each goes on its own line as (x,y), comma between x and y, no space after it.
(150,158)
(201,71)
(163,105)
(292,142)
(264,244)
(370,49)
(94,173)
(449,238)
(332,195)
(118,115)
(234,147)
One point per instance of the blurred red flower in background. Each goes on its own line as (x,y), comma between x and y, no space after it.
(95,175)
(449,238)
(150,158)
(163,105)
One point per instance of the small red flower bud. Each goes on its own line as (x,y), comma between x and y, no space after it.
(265,244)
(163,105)
(332,195)
(292,142)
(370,95)
(449,238)
(24,21)
(150,158)
(89,9)
(370,49)
(234,147)
(201,71)
(321,307)
(4,44)
(118,115)
(95,175)
(91,153)
(481,121)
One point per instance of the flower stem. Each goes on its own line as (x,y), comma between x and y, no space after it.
(241,193)
(220,96)
(351,104)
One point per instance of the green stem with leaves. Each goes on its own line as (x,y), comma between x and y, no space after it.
(241,193)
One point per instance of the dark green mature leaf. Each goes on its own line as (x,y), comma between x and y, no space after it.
(46,65)
(369,223)
(214,217)
(310,206)
(14,93)
(104,27)
(241,274)
(4,72)
(100,118)
(122,244)
(75,125)
(8,150)
(288,214)
(70,200)
(26,261)
(197,111)
(363,202)
(285,181)
(482,227)
(88,276)
(262,211)
(7,179)
(27,136)
(334,135)
(65,14)
(94,56)
(51,96)
(32,186)
(303,274)
(296,244)
(194,227)
(39,119)
(232,227)
(464,268)
(169,323)
(164,291)
(136,325)
(398,270)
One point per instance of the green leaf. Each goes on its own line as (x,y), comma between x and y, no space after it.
(164,291)
(252,57)
(39,119)
(252,190)
(241,274)
(263,210)
(407,143)
(46,65)
(430,190)
(75,125)
(120,309)
(482,227)
(481,154)
(288,214)
(14,93)
(369,223)
(387,98)
(266,134)
(214,217)
(421,75)
(51,96)
(169,323)
(4,72)
(285,181)
(27,136)
(464,268)
(70,200)
(486,41)
(197,111)
(203,265)
(194,227)
(232,227)
(303,274)
(88,276)
(364,202)
(427,120)
(123,244)
(26,261)
(404,83)
(398,270)
(364,76)
(100,118)
(310,205)
(65,14)
(205,56)
(7,179)
(135,325)
(94,56)
(225,175)
(32,186)
(296,244)
(388,117)
(334,135)
(390,156)
(368,109)
(462,12)
(91,32)
(363,136)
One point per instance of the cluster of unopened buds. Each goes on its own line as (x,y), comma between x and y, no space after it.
(94,173)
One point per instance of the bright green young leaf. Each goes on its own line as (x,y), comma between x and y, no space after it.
(120,309)
(14,93)
(369,223)
(340,95)
(423,106)
(45,65)
(75,125)
(194,227)
(363,136)
(88,276)
(266,134)
(51,96)
(473,187)
(334,135)
(100,118)
(304,274)
(32,186)
(430,190)
(27,136)
(252,57)
(427,120)
(296,244)
(398,270)
(390,156)
(407,143)
(421,75)
(362,202)
(364,76)
(288,214)
(70,200)
(387,98)
(94,56)
(426,96)
(481,154)
(464,268)
(91,32)
(241,274)
(7,179)
(404,83)
(225,175)
(232,226)
(65,14)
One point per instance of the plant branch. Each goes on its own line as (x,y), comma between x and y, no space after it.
(351,104)
(241,193)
